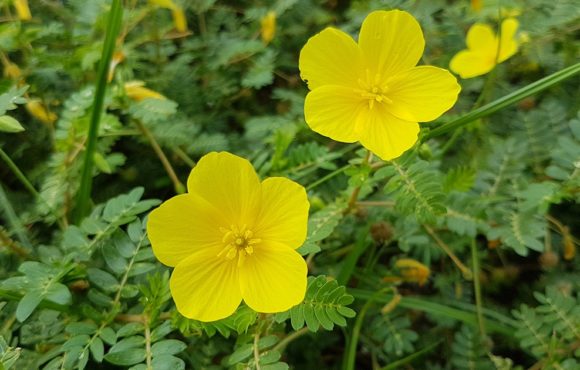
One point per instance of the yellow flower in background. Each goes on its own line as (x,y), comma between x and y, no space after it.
(40,112)
(232,237)
(137,91)
(476,5)
(485,50)
(268,27)
(372,91)
(179,19)
(22,10)
(413,271)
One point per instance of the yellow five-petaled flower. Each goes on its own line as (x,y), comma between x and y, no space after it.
(232,237)
(372,91)
(484,49)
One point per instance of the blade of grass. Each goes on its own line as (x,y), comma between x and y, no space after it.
(113,27)
(405,360)
(505,101)
(13,219)
(465,315)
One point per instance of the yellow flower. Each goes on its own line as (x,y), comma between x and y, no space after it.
(23,10)
(413,271)
(232,237)
(136,91)
(484,50)
(268,30)
(372,91)
(40,112)
(179,19)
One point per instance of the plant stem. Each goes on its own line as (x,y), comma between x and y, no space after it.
(256,351)
(178,185)
(289,338)
(477,288)
(19,175)
(113,27)
(505,101)
(467,273)
(405,360)
(356,191)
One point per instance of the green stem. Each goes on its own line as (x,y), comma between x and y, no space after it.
(19,175)
(113,27)
(505,101)
(477,288)
(405,360)
(11,216)
(350,354)
(328,177)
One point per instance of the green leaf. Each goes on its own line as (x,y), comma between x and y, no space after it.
(97,349)
(167,362)
(168,347)
(27,305)
(9,124)
(127,357)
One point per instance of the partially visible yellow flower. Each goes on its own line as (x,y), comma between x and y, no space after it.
(476,5)
(137,91)
(40,112)
(179,19)
(268,30)
(413,271)
(232,237)
(484,49)
(118,57)
(22,10)
(11,70)
(372,91)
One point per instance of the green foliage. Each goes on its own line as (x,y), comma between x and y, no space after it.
(550,329)
(325,305)
(91,294)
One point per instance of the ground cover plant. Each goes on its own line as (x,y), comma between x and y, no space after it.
(289,184)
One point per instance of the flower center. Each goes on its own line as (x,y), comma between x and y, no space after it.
(238,242)
(374,90)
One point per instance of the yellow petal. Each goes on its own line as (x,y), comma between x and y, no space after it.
(332,111)
(422,94)
(273,278)
(330,58)
(23,10)
(136,91)
(179,19)
(470,64)
(40,112)
(482,37)
(205,287)
(391,42)
(283,217)
(268,27)
(386,135)
(508,43)
(413,270)
(230,184)
(183,225)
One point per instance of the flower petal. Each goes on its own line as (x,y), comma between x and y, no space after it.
(273,278)
(422,94)
(230,184)
(182,225)
(386,135)
(332,111)
(391,42)
(509,45)
(284,214)
(206,287)
(330,58)
(470,64)
(481,37)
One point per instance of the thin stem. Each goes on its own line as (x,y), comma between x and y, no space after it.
(505,101)
(149,355)
(371,203)
(327,177)
(467,274)
(256,351)
(356,191)
(19,175)
(184,157)
(113,27)
(477,288)
(289,338)
(178,185)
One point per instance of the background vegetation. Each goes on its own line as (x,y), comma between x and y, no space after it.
(490,208)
